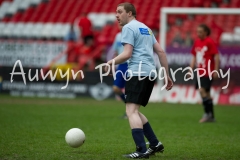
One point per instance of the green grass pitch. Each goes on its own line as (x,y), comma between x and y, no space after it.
(32,128)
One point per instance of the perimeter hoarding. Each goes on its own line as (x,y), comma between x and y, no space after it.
(37,54)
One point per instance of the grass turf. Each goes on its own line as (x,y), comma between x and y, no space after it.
(34,128)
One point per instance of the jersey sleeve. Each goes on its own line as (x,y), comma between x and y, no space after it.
(154,39)
(127,36)
(212,47)
(193,52)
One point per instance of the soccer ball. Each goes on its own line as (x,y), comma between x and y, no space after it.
(75,137)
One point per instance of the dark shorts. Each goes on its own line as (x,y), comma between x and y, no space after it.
(206,83)
(138,92)
(120,81)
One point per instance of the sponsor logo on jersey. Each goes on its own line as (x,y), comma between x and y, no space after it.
(145,31)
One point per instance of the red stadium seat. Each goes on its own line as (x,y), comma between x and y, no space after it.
(16,17)
(150,23)
(207,4)
(187,3)
(197,3)
(148,11)
(200,18)
(6,19)
(176,4)
(224,5)
(171,19)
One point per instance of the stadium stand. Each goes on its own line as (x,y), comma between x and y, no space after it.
(46,19)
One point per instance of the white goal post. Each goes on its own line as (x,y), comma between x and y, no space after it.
(180,10)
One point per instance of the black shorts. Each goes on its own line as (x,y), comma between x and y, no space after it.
(206,83)
(138,92)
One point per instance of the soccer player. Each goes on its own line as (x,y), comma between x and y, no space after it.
(119,82)
(204,51)
(138,46)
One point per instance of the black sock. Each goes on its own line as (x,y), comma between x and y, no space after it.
(205,105)
(149,134)
(210,106)
(138,137)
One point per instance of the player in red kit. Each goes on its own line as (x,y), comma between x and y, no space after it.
(205,56)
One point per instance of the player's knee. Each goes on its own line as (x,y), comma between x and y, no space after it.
(116,90)
(208,94)
(203,92)
(128,113)
(130,110)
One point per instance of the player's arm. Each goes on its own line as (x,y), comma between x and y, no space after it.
(127,40)
(192,66)
(193,62)
(163,60)
(216,67)
(162,56)
(217,61)
(124,56)
(213,49)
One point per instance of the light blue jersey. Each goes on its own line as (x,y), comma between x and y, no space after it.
(117,45)
(141,38)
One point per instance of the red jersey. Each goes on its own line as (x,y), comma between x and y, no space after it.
(86,26)
(204,51)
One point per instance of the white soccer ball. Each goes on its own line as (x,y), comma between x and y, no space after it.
(75,137)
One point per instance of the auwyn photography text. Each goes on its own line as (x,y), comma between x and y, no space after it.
(127,76)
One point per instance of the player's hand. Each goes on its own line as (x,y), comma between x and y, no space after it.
(169,84)
(188,74)
(107,68)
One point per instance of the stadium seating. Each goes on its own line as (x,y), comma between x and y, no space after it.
(34,30)
(47,18)
(226,37)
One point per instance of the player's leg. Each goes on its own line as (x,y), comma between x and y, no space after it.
(210,105)
(206,100)
(119,84)
(148,131)
(118,91)
(136,125)
(155,145)
(204,97)
(134,92)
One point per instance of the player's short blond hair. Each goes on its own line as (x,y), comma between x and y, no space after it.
(129,7)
